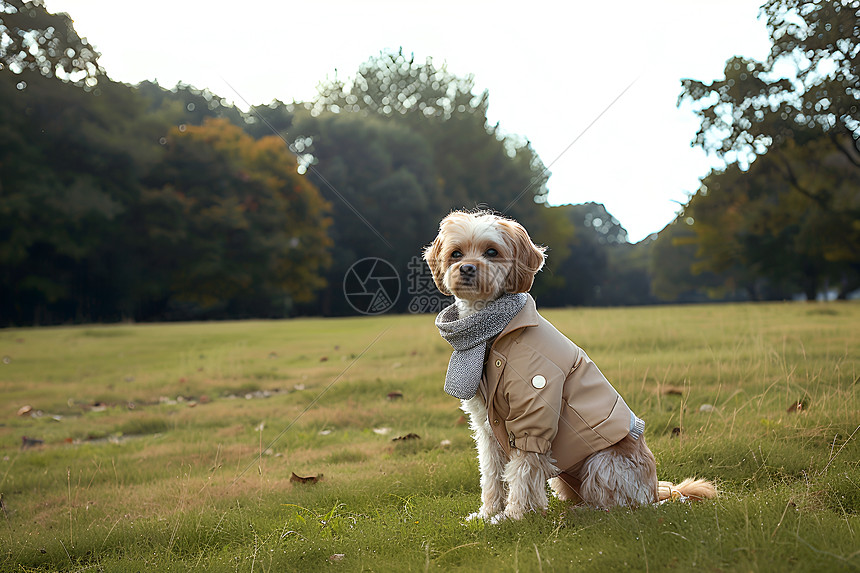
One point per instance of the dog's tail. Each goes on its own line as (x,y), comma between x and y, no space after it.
(692,488)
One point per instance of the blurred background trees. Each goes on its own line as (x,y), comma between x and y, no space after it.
(784,215)
(145,203)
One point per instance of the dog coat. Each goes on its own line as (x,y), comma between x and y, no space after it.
(545,395)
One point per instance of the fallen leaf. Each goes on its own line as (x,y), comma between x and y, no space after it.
(337,557)
(24,410)
(395,395)
(672,390)
(676,431)
(798,406)
(323,358)
(382,431)
(30,442)
(706,408)
(445,443)
(310,479)
(406,437)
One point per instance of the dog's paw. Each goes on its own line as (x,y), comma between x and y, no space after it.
(498,518)
(480,514)
(486,512)
(515,513)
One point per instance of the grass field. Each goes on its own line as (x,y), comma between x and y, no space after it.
(171,447)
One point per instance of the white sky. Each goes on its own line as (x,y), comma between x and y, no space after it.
(550,68)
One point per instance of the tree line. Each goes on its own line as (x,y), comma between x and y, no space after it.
(783,216)
(142,203)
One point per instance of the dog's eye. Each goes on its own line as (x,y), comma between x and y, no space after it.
(492,253)
(456,255)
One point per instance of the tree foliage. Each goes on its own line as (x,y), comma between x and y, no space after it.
(475,163)
(591,262)
(754,224)
(115,204)
(379,178)
(33,39)
(69,179)
(678,275)
(807,87)
(394,150)
(786,207)
(239,230)
(393,84)
(139,202)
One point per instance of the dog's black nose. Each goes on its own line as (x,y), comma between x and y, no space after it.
(468,270)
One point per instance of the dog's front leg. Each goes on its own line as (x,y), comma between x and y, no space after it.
(526,475)
(491,460)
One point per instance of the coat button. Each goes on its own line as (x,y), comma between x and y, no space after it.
(495,422)
(538,381)
(498,363)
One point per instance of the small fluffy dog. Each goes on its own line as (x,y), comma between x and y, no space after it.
(539,408)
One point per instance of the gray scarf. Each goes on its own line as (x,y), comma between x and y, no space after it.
(469,337)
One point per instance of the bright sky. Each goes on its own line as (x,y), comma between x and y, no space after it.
(551,68)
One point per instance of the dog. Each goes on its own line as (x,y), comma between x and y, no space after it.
(539,409)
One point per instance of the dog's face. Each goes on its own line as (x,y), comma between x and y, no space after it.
(480,256)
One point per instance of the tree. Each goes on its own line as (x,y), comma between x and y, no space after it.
(754,108)
(475,163)
(379,178)
(591,261)
(396,149)
(32,39)
(628,281)
(236,230)
(70,162)
(392,84)
(577,265)
(753,224)
(186,105)
(807,126)
(677,272)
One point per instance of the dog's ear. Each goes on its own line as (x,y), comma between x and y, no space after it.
(528,257)
(433,257)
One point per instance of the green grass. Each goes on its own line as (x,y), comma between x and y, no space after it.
(170,447)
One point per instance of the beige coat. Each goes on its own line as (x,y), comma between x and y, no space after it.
(544,394)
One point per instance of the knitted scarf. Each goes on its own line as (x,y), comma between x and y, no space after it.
(469,336)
